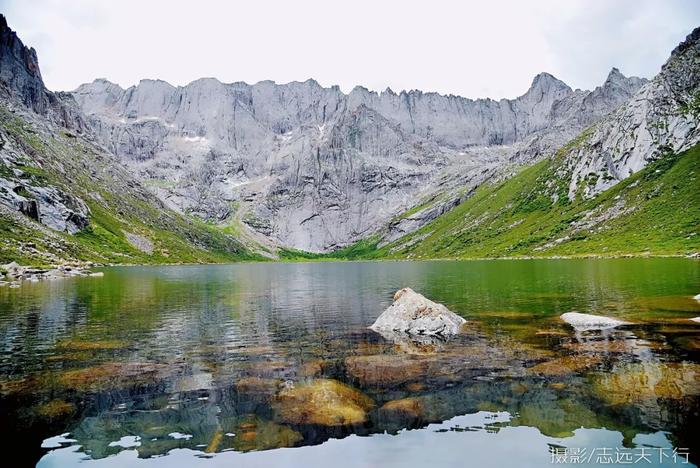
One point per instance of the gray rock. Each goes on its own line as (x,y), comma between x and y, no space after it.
(660,118)
(140,242)
(315,169)
(413,314)
(585,322)
(13,269)
(20,79)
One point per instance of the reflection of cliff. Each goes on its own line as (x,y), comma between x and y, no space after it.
(211,350)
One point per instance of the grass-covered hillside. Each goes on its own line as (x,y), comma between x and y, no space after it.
(656,211)
(127,224)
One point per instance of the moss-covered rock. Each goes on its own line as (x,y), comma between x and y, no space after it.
(324,402)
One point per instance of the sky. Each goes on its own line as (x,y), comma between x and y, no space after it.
(470,48)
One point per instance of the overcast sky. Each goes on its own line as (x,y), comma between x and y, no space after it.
(476,49)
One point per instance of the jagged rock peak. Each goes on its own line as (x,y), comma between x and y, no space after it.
(20,81)
(691,40)
(545,81)
(615,75)
(659,118)
(19,69)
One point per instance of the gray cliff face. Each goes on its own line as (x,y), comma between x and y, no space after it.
(661,117)
(20,81)
(315,169)
(21,87)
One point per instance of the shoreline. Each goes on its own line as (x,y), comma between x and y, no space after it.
(13,274)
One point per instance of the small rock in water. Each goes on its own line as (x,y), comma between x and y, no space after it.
(414,314)
(583,322)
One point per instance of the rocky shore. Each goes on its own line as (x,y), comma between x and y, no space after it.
(12,274)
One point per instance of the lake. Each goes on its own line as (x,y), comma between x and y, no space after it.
(272,364)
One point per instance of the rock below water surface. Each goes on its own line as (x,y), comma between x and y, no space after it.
(324,402)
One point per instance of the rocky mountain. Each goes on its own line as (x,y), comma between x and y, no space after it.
(627,184)
(315,169)
(63,197)
(212,171)
(661,118)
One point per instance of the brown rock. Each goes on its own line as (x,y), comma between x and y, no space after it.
(322,401)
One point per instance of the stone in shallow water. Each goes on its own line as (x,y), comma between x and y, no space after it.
(257,387)
(110,375)
(253,433)
(644,383)
(584,322)
(414,314)
(55,409)
(325,402)
(566,364)
(386,370)
(404,409)
(91,345)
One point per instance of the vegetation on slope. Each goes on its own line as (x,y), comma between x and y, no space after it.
(654,212)
(118,207)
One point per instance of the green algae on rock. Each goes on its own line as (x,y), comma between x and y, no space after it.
(110,375)
(645,382)
(253,433)
(325,402)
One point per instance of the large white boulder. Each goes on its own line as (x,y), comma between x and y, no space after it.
(414,314)
(583,322)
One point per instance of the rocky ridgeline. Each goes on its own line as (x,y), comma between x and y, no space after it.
(315,169)
(20,79)
(12,274)
(22,182)
(662,117)
(308,167)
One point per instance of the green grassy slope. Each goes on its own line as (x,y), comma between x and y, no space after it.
(656,212)
(49,157)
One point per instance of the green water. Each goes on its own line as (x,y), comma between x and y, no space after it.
(195,365)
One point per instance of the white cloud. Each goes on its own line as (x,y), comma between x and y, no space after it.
(474,49)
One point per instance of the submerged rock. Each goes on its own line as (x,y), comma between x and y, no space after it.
(253,433)
(414,314)
(90,345)
(386,370)
(645,382)
(583,322)
(325,402)
(564,365)
(110,375)
(55,409)
(257,387)
(410,408)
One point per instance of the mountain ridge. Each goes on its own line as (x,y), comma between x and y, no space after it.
(63,198)
(242,140)
(214,171)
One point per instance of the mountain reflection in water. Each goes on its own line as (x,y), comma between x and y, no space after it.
(205,364)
